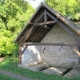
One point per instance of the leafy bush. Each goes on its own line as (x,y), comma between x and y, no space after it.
(7,46)
(13,15)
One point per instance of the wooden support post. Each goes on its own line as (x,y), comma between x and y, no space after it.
(24,49)
(20,54)
(45,18)
(76,51)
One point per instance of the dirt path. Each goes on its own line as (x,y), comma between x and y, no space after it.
(14,75)
(1,59)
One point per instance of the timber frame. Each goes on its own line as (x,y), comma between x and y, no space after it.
(40,24)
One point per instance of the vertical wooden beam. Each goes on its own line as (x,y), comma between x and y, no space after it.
(20,54)
(45,18)
(78,52)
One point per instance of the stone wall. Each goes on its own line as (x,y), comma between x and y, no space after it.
(60,56)
(63,56)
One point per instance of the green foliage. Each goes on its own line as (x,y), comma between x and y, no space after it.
(6,43)
(69,8)
(10,64)
(13,16)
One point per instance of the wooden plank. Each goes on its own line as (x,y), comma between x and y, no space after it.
(64,19)
(43,23)
(65,28)
(24,49)
(54,44)
(27,35)
(76,51)
(36,21)
(69,32)
(40,16)
(43,34)
(52,17)
(20,54)
(45,18)
(37,34)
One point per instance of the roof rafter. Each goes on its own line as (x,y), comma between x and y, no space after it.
(53,44)
(65,28)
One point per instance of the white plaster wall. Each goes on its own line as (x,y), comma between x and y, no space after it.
(60,56)
(30,56)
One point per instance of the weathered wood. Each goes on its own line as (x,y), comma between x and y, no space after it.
(43,23)
(24,49)
(36,34)
(45,18)
(27,35)
(52,17)
(36,21)
(40,16)
(69,32)
(76,51)
(64,27)
(20,54)
(42,34)
(64,19)
(54,44)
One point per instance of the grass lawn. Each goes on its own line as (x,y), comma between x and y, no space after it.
(4,77)
(10,64)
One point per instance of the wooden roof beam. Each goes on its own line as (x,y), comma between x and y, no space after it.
(29,32)
(65,28)
(43,23)
(69,32)
(53,44)
(52,17)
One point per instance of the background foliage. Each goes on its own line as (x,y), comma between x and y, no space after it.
(13,16)
(15,13)
(69,8)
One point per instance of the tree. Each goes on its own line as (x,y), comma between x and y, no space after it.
(13,16)
(12,13)
(69,8)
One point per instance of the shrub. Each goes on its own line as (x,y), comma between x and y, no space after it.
(7,46)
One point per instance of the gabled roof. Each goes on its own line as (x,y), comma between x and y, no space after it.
(41,22)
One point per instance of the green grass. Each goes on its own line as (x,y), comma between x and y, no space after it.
(4,77)
(10,64)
